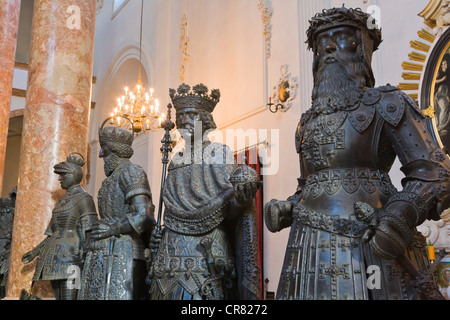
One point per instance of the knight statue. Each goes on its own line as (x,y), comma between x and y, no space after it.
(207,248)
(347,220)
(68,232)
(7,206)
(115,266)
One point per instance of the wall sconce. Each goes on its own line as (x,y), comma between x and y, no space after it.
(283,93)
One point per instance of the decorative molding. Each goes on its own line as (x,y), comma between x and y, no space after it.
(19,93)
(437,233)
(115,13)
(243,117)
(413,69)
(99,5)
(265,7)
(184,46)
(290,91)
(21,65)
(16,113)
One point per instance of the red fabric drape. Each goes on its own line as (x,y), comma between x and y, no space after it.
(252,160)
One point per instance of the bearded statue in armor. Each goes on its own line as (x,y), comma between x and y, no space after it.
(7,206)
(115,267)
(207,248)
(346,217)
(68,232)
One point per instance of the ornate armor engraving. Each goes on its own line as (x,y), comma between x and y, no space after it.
(205,213)
(346,215)
(115,264)
(67,233)
(113,203)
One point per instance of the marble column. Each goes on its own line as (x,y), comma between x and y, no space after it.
(9,26)
(55,121)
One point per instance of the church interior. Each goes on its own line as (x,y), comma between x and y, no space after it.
(67,66)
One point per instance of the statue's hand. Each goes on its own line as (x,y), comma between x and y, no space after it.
(388,233)
(278,215)
(103,230)
(244,193)
(155,240)
(28,257)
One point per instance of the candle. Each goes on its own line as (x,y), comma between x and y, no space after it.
(431,255)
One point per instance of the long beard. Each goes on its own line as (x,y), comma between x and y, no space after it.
(110,163)
(338,86)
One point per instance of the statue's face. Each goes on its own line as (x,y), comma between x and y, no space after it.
(186,120)
(66,180)
(337,44)
(104,151)
(110,159)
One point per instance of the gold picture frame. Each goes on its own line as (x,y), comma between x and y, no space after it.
(435,91)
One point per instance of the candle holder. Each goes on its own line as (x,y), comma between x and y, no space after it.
(283,93)
(275,107)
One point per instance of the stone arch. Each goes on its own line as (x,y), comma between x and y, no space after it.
(123,71)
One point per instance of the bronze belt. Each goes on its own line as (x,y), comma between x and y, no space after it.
(331,181)
(332,224)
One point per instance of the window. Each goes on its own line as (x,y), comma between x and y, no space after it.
(118,5)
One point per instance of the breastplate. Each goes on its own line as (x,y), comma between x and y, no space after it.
(339,152)
(66,215)
(330,141)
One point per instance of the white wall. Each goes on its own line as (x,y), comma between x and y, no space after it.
(227,52)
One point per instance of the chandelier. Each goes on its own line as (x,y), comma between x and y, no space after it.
(138,105)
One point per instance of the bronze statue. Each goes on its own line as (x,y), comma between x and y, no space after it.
(115,266)
(352,233)
(209,206)
(7,206)
(67,234)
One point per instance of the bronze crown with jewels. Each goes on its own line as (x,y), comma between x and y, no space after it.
(197,97)
(115,134)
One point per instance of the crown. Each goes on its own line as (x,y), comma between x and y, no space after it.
(198,97)
(338,17)
(115,134)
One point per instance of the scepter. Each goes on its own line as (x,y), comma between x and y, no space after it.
(166,148)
